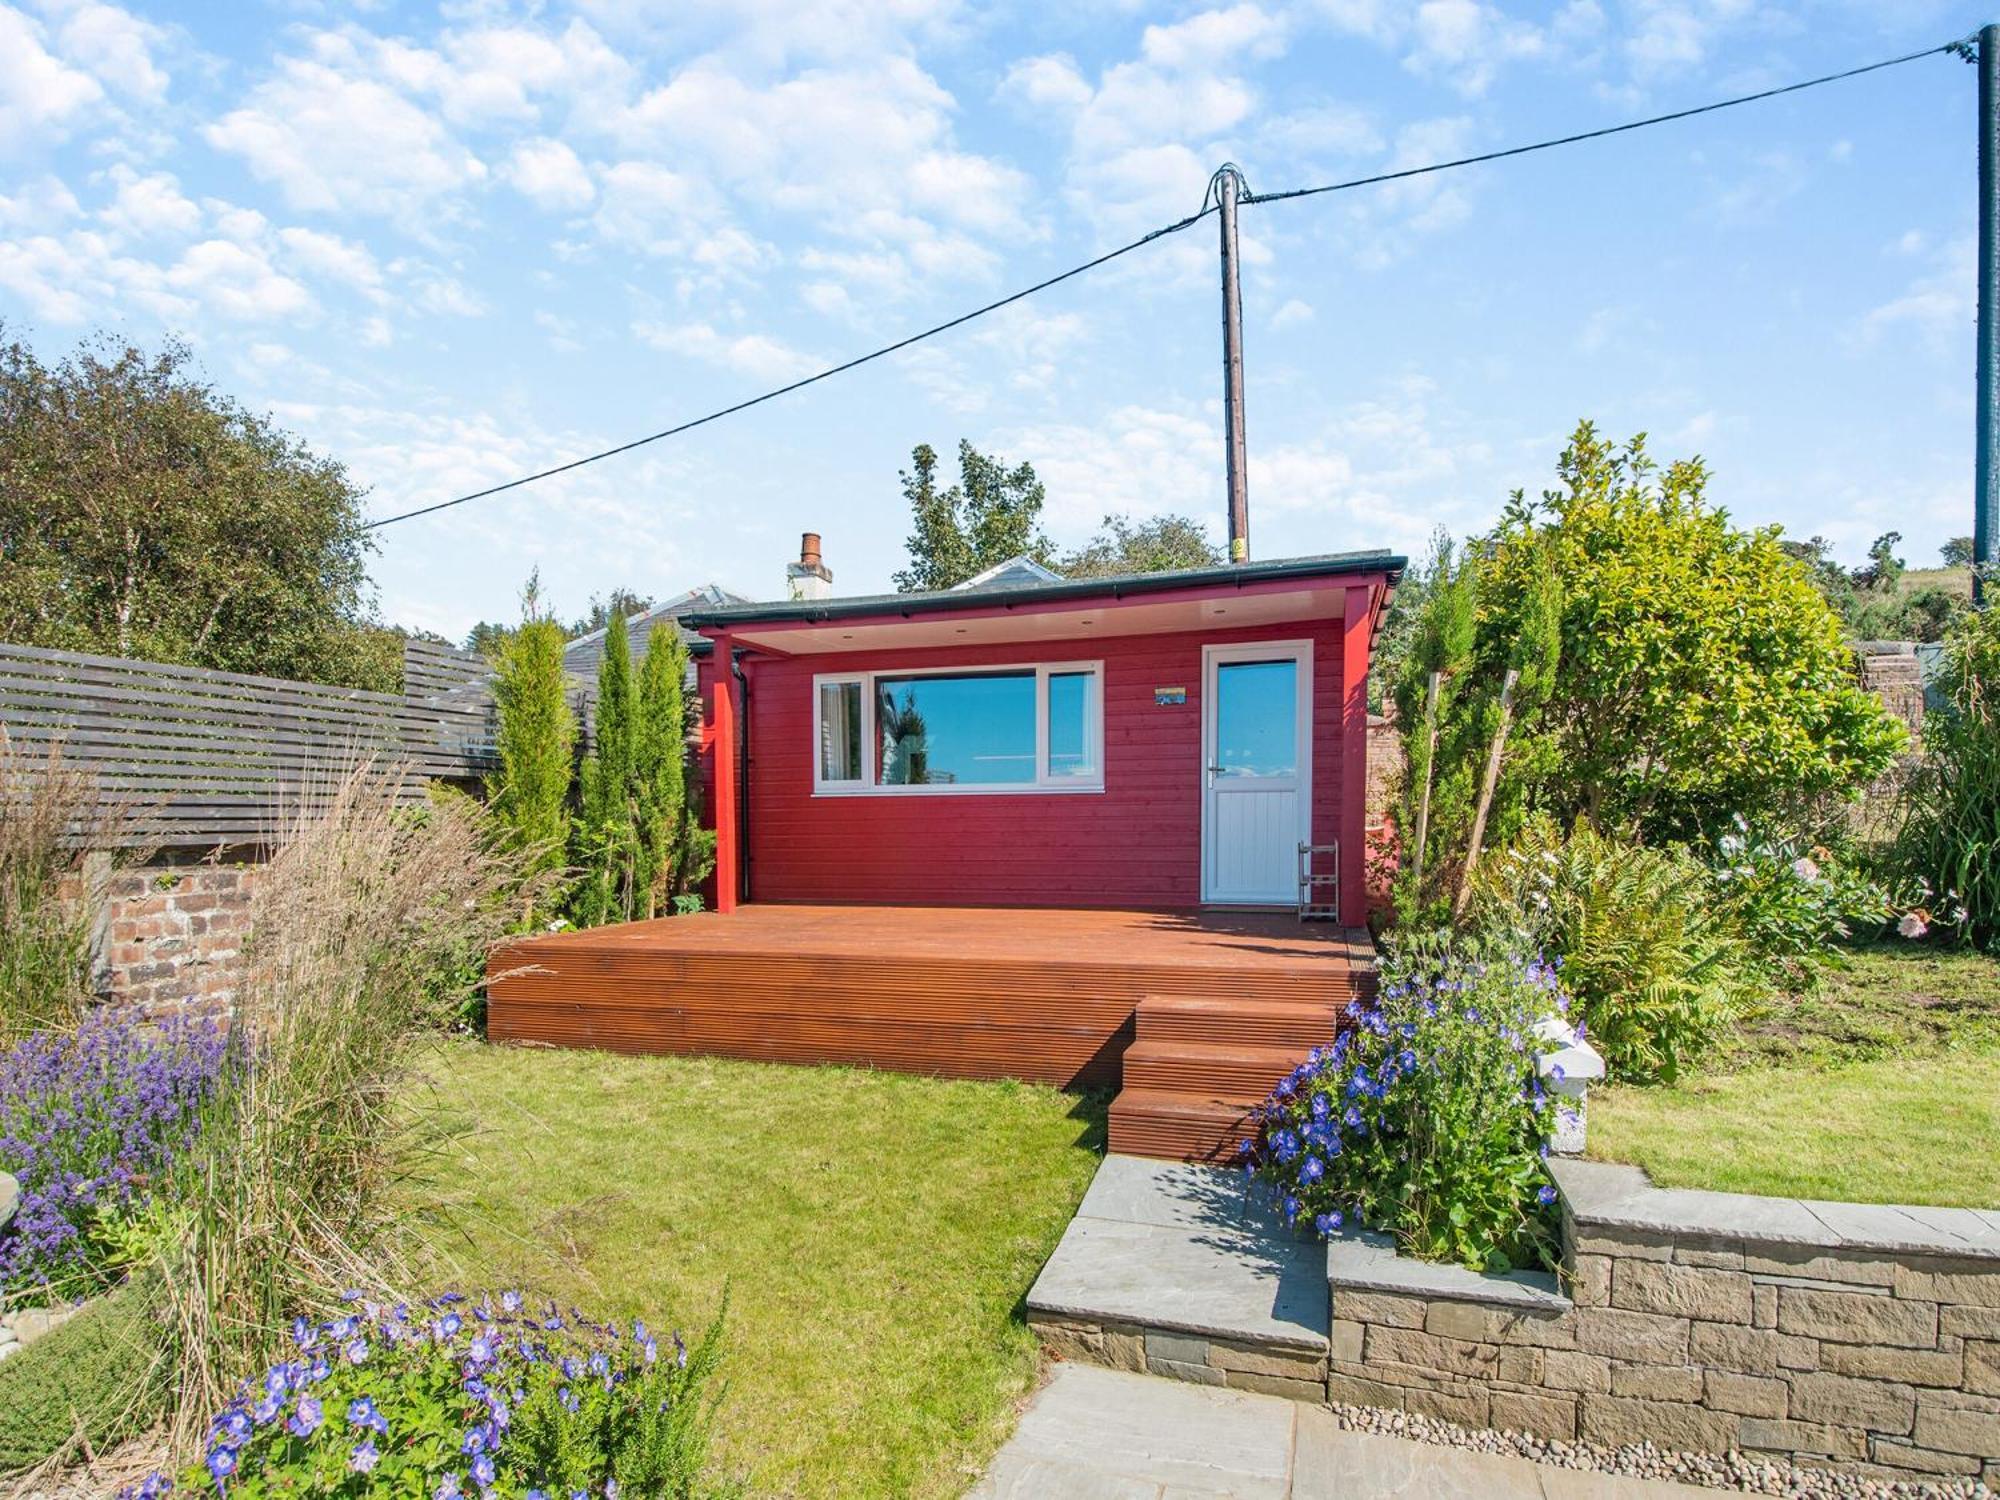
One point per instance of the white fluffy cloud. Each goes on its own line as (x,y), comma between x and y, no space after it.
(328,255)
(1466,42)
(143,207)
(824,141)
(550,175)
(40,93)
(329,135)
(1379,472)
(754,354)
(1938,304)
(115,45)
(238,282)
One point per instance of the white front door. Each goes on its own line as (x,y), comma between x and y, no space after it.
(1256,770)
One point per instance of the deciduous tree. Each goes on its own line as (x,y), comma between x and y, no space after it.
(991,514)
(144,514)
(1162,545)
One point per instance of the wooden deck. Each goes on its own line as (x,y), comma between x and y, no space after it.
(972,992)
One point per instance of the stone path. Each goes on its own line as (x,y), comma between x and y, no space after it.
(1094,1434)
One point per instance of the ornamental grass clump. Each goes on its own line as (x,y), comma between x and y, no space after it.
(456,1399)
(91,1123)
(1427,1117)
(50,818)
(1950,839)
(361,908)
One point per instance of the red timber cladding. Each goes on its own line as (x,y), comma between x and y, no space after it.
(1137,843)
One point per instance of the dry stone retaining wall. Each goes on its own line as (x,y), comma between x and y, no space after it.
(1860,1336)
(1204,1359)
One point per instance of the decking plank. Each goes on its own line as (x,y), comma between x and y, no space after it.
(1042,993)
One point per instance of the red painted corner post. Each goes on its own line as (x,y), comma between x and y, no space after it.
(722,710)
(1353,825)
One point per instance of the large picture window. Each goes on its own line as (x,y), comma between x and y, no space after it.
(984,729)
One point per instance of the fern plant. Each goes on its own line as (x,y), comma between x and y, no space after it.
(1656,966)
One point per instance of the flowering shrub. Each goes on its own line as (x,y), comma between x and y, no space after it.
(88,1120)
(455,1399)
(1426,1119)
(1795,900)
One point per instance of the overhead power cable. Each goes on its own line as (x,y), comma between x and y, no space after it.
(1208,207)
(1594,135)
(799,385)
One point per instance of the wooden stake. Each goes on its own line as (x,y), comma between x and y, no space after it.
(1486,786)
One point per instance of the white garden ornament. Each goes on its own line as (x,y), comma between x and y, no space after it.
(1568,1070)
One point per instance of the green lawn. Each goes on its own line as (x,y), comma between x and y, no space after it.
(876,1233)
(1883,1087)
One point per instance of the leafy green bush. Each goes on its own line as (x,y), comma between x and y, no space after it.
(1950,838)
(99,1378)
(1700,672)
(452,1399)
(1657,965)
(1427,1119)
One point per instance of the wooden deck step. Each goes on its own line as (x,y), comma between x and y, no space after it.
(1229,1071)
(1178,1126)
(1299,1025)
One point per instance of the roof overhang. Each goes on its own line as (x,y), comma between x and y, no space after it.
(1210,599)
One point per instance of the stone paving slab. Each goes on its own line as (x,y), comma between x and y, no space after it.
(1107,1435)
(1164,1245)
(1363,1261)
(1623,1197)
(1093,1434)
(1177,1194)
(1216,1282)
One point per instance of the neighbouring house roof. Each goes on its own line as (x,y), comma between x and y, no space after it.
(1018,571)
(1115,586)
(582,655)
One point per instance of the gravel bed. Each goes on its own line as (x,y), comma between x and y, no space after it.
(1745,1473)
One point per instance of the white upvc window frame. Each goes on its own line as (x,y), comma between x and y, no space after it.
(1044,785)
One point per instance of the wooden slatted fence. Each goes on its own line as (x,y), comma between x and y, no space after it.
(200,758)
(432,669)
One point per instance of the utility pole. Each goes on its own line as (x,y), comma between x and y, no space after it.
(1228,185)
(1986,405)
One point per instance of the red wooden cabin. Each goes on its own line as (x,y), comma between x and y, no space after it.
(972,831)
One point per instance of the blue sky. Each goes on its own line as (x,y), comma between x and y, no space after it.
(451,245)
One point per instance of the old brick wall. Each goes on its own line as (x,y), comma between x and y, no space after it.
(1753,1324)
(172,937)
(1385,767)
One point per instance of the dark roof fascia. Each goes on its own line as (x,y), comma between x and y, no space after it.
(813,611)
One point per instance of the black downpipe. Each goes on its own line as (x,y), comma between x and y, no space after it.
(742,777)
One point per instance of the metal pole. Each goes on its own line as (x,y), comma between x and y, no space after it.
(1986,450)
(1229,183)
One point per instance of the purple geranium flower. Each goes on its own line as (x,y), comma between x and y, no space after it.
(306,1417)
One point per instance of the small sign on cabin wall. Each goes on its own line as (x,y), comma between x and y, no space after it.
(1169,697)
